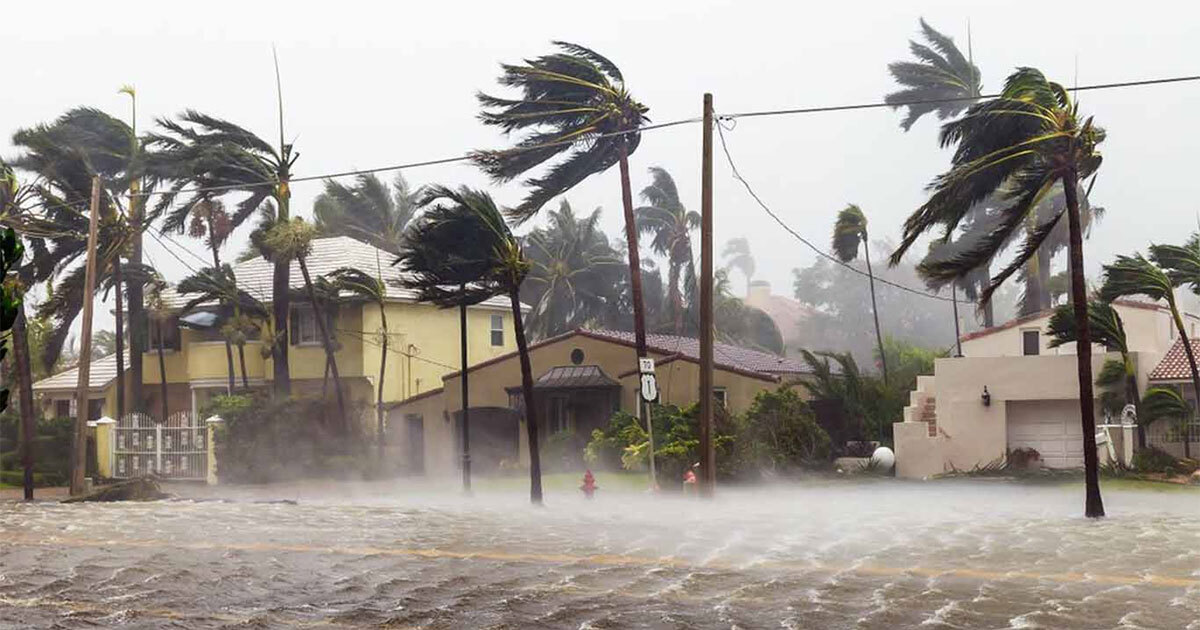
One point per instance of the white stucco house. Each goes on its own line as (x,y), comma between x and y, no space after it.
(1032,393)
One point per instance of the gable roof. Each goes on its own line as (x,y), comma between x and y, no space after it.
(1174,365)
(327,255)
(1032,317)
(101,373)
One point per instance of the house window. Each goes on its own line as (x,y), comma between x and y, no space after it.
(63,408)
(95,408)
(1031,342)
(497,330)
(166,331)
(720,395)
(557,419)
(304,326)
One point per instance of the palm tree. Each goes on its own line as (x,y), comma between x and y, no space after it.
(462,252)
(1021,143)
(370,289)
(239,308)
(1135,275)
(850,231)
(574,103)
(737,256)
(367,211)
(208,157)
(671,226)
(1109,331)
(941,73)
(292,240)
(15,211)
(575,273)
(160,315)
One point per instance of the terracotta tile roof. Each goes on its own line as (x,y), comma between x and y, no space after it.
(102,372)
(1174,365)
(724,355)
(328,254)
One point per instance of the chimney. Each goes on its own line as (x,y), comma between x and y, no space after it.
(759,292)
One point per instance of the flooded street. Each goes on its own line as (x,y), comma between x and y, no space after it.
(884,554)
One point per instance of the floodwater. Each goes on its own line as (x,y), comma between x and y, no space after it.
(874,554)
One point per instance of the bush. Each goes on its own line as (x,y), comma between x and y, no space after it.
(779,432)
(264,440)
(1156,460)
(51,448)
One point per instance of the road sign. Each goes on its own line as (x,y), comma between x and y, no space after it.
(646,365)
(649,387)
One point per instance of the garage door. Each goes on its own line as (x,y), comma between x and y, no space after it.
(1051,427)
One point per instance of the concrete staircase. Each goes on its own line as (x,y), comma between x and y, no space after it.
(918,440)
(922,405)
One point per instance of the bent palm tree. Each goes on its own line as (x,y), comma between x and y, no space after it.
(367,211)
(199,151)
(737,256)
(219,285)
(1135,275)
(849,232)
(670,225)
(463,252)
(1109,331)
(1164,403)
(941,74)
(1017,147)
(370,289)
(574,105)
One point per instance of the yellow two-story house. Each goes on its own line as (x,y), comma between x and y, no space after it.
(423,343)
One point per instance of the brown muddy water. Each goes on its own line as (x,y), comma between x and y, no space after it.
(882,554)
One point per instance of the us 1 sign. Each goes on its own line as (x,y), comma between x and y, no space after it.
(649,387)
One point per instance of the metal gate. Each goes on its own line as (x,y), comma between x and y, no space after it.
(176,450)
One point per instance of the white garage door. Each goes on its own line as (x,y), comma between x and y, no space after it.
(1051,427)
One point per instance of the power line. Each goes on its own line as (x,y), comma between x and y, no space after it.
(935,101)
(738,176)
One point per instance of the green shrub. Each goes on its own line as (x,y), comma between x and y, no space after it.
(51,448)
(779,432)
(676,439)
(264,440)
(1156,460)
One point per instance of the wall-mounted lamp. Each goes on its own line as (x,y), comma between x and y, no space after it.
(986,397)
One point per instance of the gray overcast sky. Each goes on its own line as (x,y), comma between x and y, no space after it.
(372,84)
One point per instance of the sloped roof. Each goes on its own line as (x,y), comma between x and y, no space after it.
(327,255)
(574,376)
(1174,365)
(1025,319)
(102,372)
(724,355)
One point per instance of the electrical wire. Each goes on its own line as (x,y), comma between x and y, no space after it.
(750,189)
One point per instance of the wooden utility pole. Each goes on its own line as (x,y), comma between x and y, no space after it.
(708,469)
(79,449)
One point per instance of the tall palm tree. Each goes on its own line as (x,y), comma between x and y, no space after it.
(1020,145)
(15,210)
(160,315)
(573,105)
(670,225)
(1135,275)
(737,256)
(207,157)
(849,232)
(370,289)
(1109,331)
(575,273)
(940,73)
(462,251)
(367,210)
(289,240)
(219,285)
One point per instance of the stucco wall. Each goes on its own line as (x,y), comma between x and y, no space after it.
(1146,330)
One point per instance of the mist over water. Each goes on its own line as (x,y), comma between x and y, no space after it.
(874,554)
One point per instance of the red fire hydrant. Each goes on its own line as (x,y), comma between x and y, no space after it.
(589,484)
(689,482)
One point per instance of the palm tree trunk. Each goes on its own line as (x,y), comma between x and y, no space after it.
(1135,398)
(635,286)
(319,315)
(531,428)
(1191,357)
(466,400)
(216,255)
(162,369)
(242,363)
(1094,504)
(279,346)
(875,310)
(24,368)
(379,393)
(676,298)
(1043,273)
(137,307)
(120,326)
